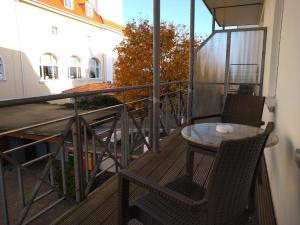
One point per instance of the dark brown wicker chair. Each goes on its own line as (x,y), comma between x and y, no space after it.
(241,109)
(184,202)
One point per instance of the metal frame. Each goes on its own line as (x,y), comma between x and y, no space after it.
(191,61)
(156,73)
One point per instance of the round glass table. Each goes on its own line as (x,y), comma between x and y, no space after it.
(205,134)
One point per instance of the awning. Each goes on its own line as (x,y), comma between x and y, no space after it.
(236,12)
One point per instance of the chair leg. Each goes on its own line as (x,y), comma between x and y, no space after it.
(123,201)
(189,163)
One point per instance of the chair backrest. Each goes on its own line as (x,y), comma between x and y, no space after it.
(243,109)
(232,176)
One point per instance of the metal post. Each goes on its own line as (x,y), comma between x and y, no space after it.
(86,154)
(156,73)
(262,67)
(3,198)
(77,148)
(63,170)
(150,120)
(227,65)
(124,134)
(213,20)
(21,186)
(191,61)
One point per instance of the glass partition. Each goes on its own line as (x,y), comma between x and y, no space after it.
(215,75)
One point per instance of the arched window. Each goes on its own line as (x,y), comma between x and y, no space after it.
(48,67)
(94,68)
(2,75)
(74,70)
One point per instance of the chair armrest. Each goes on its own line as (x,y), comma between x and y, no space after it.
(163,191)
(204,117)
(262,123)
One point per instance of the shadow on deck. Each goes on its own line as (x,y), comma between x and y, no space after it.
(101,206)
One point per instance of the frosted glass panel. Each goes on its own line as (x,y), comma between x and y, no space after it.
(211,58)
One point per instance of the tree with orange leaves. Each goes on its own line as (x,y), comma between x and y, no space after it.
(134,65)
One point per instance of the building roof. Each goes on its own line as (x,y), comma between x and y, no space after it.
(79,10)
(90,87)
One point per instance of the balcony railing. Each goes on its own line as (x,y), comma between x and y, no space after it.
(88,144)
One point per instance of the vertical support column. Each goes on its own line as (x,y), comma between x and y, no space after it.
(213,21)
(77,148)
(192,62)
(262,67)
(227,65)
(156,74)
(21,186)
(124,134)
(150,119)
(3,199)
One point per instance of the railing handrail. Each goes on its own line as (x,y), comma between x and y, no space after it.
(30,100)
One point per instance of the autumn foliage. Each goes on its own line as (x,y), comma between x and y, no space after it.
(134,64)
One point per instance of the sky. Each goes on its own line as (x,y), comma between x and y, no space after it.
(176,11)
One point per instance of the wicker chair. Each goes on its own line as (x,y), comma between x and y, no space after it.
(184,202)
(241,109)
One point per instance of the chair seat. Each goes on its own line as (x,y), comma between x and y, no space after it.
(155,210)
(165,212)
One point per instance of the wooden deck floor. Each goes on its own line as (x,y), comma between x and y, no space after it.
(101,207)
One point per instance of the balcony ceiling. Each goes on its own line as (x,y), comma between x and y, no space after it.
(236,12)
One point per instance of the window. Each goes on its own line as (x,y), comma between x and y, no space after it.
(94,68)
(74,71)
(54,30)
(48,67)
(2,75)
(89,10)
(68,4)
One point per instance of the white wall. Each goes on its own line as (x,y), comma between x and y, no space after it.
(25,38)
(283,54)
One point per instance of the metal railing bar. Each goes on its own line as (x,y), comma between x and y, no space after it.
(37,159)
(51,171)
(94,149)
(3,199)
(41,196)
(14,102)
(99,110)
(21,186)
(103,171)
(222,83)
(31,144)
(137,101)
(169,93)
(86,153)
(63,175)
(35,125)
(103,121)
(241,30)
(43,211)
(102,132)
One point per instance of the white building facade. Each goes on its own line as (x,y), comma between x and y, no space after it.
(47,47)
